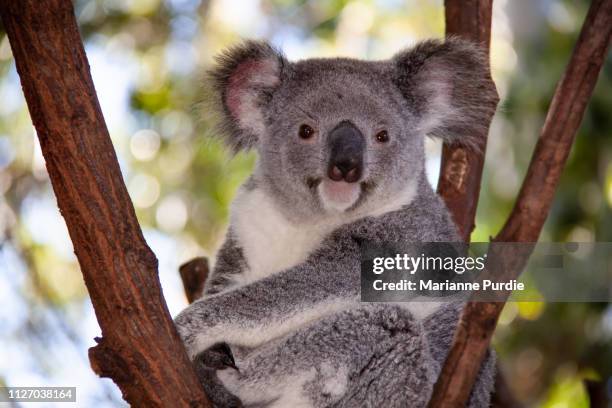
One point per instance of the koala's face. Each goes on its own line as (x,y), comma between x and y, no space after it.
(340,135)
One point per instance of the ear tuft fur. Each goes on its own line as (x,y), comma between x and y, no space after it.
(448,85)
(243,79)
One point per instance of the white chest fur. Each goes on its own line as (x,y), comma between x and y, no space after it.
(270,242)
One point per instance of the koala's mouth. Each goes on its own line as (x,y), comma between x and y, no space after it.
(339,195)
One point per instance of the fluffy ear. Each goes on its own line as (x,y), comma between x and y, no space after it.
(244,78)
(447,84)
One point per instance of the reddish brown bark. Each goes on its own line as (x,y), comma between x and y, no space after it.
(525,222)
(140,348)
(461,168)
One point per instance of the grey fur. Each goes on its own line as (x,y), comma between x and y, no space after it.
(464,67)
(239,138)
(230,261)
(354,354)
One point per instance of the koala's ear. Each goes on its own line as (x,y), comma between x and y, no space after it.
(244,78)
(447,84)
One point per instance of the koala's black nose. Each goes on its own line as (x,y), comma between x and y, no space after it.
(346,153)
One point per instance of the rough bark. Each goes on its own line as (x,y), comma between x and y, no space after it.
(140,348)
(461,168)
(525,222)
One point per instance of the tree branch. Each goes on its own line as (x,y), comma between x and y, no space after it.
(194,274)
(461,168)
(525,222)
(140,349)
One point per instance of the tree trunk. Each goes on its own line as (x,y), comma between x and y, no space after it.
(140,348)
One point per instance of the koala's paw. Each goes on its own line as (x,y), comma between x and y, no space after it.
(208,364)
(218,357)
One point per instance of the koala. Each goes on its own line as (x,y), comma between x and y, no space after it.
(341,160)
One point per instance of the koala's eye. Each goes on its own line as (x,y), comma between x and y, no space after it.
(306,132)
(382,136)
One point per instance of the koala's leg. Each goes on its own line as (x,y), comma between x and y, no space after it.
(440,327)
(257,313)
(368,356)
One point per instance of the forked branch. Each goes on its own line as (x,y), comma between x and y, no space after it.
(525,222)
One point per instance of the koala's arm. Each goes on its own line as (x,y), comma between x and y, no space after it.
(253,314)
(327,282)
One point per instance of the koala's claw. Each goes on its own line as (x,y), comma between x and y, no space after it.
(218,356)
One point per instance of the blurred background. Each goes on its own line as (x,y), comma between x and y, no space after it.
(147,59)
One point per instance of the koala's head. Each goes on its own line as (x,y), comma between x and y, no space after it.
(343,135)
